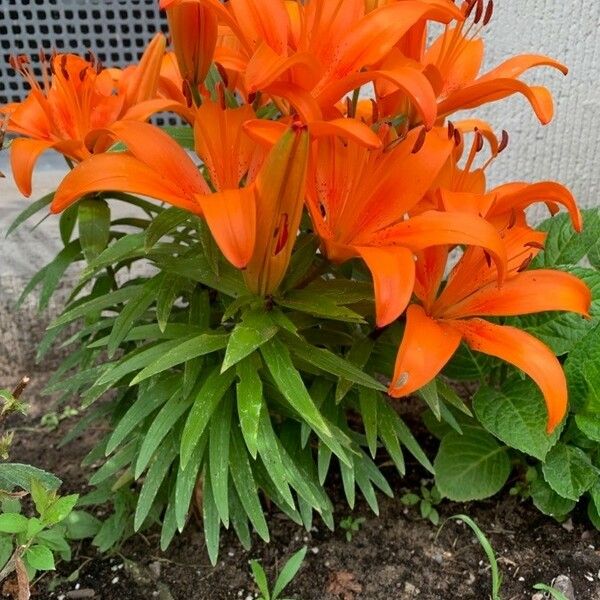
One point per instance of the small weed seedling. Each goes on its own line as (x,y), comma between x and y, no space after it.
(551,591)
(427,501)
(487,547)
(351,526)
(289,571)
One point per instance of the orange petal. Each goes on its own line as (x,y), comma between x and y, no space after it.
(490,90)
(143,83)
(517,65)
(123,173)
(526,353)
(433,228)
(378,32)
(528,292)
(349,129)
(393,270)
(231,217)
(263,131)
(162,153)
(518,197)
(407,79)
(426,347)
(24,153)
(144,110)
(306,106)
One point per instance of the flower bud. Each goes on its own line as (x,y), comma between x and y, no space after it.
(280,189)
(194,28)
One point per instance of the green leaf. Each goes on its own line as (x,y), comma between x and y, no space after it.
(6,549)
(164,223)
(389,437)
(429,393)
(255,329)
(127,247)
(145,405)
(243,479)
(95,304)
(359,355)
(13,523)
(249,402)
(213,388)
(94,226)
(67,222)
(182,134)
(154,478)
(81,525)
(212,522)
(169,290)
(18,475)
(548,501)
(41,497)
(186,482)
(565,246)
(582,373)
(452,398)
(467,365)
(569,471)
(517,415)
(31,210)
(292,387)
(331,363)
(368,402)
(132,311)
(554,593)
(59,509)
(162,426)
(472,466)
(589,425)
(260,577)
(56,269)
(200,345)
(289,571)
(218,455)
(306,301)
(40,557)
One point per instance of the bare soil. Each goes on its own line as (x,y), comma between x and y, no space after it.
(394,556)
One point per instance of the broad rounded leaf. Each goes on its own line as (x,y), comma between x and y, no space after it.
(548,501)
(569,471)
(471,466)
(516,414)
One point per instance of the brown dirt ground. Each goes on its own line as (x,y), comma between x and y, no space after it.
(395,556)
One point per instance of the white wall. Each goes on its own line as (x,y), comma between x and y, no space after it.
(568,149)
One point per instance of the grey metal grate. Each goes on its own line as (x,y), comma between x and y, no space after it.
(116,30)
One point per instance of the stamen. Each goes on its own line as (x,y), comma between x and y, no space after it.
(504,141)
(479,11)
(488,258)
(489,11)
(512,220)
(534,244)
(420,141)
(223,74)
(478,141)
(63,67)
(451,130)
(470,8)
(525,263)
(375,109)
(457,137)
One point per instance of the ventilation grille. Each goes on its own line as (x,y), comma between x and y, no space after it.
(115,30)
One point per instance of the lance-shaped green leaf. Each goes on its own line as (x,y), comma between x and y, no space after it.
(290,384)
(218,456)
(31,209)
(249,401)
(211,392)
(255,329)
(200,345)
(358,355)
(331,363)
(164,223)
(94,226)
(186,482)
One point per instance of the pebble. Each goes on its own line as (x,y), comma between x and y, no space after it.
(411,589)
(155,568)
(79,594)
(563,584)
(115,580)
(538,596)
(314,550)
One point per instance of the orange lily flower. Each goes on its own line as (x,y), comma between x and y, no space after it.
(436,327)
(453,63)
(358,199)
(77,97)
(255,225)
(310,55)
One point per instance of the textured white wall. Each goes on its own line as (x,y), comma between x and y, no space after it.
(568,149)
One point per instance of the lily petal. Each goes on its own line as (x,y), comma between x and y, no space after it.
(526,353)
(393,270)
(231,217)
(426,347)
(349,129)
(490,90)
(526,293)
(517,65)
(24,154)
(433,228)
(122,172)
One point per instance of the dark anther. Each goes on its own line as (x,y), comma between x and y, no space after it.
(420,140)
(525,263)
(489,11)
(504,141)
